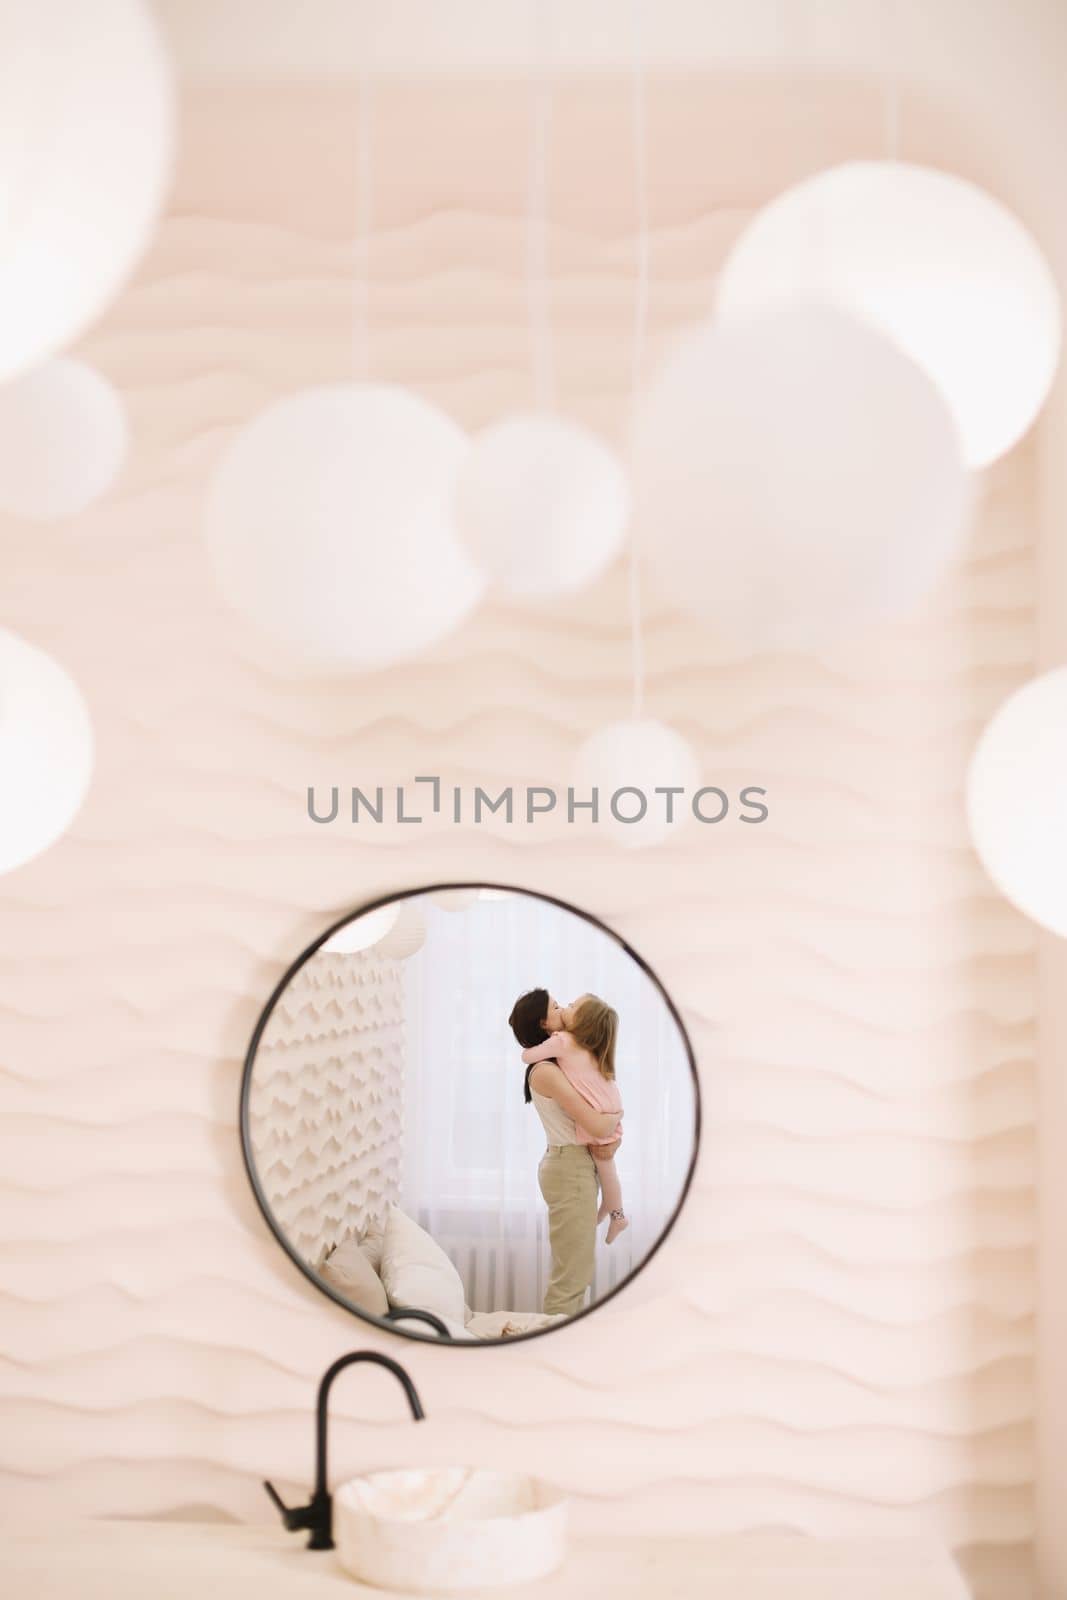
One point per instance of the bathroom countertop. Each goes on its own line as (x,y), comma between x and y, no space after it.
(183,1561)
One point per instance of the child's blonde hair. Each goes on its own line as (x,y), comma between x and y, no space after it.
(596,1027)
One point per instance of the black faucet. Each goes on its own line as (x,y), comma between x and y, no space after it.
(317,1515)
(413,1314)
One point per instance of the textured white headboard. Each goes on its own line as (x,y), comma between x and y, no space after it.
(325,1110)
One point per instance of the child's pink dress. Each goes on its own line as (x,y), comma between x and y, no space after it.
(582,1073)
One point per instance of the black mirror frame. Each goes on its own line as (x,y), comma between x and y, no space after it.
(384,1323)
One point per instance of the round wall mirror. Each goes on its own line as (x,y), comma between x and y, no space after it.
(470,1113)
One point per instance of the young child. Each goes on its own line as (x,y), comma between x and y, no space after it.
(585,1054)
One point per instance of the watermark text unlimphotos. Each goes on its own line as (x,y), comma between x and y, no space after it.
(526,805)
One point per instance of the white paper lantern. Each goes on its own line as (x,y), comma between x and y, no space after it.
(63,438)
(542,504)
(46,750)
(86,137)
(931,260)
(329,522)
(455,899)
(797,477)
(363,932)
(1017,799)
(406,937)
(626,762)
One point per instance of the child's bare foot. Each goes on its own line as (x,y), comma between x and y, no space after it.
(619,1221)
(605,1211)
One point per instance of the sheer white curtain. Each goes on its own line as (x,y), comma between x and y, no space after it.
(471,1145)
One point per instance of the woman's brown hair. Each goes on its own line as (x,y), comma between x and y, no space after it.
(596,1028)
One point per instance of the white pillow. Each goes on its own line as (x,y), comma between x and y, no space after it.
(455,1330)
(348,1271)
(416,1271)
(370,1242)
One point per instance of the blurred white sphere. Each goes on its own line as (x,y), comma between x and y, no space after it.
(63,438)
(329,522)
(46,750)
(362,931)
(626,762)
(86,141)
(1017,799)
(542,504)
(406,937)
(932,261)
(796,477)
(455,899)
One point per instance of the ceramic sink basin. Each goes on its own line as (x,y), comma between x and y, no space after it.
(448,1528)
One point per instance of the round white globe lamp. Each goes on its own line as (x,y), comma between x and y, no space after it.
(363,932)
(627,762)
(86,144)
(330,525)
(542,505)
(63,439)
(938,265)
(46,751)
(1017,799)
(406,937)
(797,478)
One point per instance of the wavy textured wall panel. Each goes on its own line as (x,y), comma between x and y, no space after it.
(839,1335)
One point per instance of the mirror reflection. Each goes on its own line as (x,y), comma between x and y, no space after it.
(471,1103)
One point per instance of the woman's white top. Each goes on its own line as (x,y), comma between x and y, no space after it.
(559,1127)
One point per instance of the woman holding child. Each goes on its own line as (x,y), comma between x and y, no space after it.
(570,1080)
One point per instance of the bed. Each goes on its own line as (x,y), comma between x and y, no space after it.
(395,1270)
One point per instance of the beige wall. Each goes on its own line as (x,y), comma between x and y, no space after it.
(840,1336)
